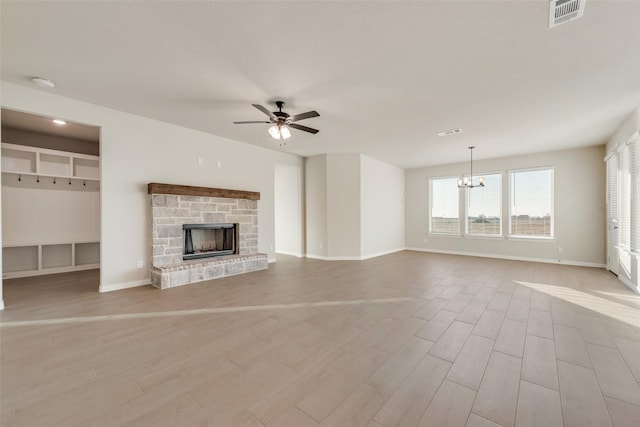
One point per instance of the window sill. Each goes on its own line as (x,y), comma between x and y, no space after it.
(531,239)
(444,235)
(483,236)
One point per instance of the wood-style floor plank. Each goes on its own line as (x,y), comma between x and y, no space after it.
(404,339)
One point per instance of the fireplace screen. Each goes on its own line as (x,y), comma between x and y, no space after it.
(209,240)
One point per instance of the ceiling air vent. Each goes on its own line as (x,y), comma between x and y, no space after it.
(449,132)
(561,11)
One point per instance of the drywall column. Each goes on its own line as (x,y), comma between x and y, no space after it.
(382,208)
(343,206)
(316,206)
(288,210)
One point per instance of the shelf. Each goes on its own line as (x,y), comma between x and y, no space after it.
(54,165)
(86,168)
(35,260)
(19,258)
(18,161)
(21,159)
(56,256)
(87,253)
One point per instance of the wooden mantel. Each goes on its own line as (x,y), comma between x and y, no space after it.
(186,190)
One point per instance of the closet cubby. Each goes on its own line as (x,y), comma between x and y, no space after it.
(48,227)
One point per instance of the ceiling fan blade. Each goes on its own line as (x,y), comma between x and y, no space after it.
(244,123)
(264,110)
(304,128)
(303,116)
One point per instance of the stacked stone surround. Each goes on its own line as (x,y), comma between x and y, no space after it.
(170,211)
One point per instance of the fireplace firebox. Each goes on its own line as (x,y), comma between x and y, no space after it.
(209,240)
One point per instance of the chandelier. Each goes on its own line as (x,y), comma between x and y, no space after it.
(467,182)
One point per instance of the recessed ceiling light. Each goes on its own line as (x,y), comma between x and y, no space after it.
(42,82)
(59,122)
(449,132)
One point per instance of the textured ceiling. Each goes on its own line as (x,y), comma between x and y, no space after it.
(385,76)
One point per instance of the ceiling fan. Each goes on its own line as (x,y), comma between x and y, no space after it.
(282,121)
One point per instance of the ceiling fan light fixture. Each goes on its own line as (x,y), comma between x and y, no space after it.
(280,131)
(285,133)
(274,131)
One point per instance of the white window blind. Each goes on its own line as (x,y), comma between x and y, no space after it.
(531,203)
(484,207)
(444,217)
(624,197)
(634,160)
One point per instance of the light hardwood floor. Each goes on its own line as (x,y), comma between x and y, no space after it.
(408,339)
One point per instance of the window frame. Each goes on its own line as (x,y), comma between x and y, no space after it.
(458,233)
(500,235)
(525,237)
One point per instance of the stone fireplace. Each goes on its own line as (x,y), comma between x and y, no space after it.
(201,233)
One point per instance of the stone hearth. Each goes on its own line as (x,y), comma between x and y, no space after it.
(172,206)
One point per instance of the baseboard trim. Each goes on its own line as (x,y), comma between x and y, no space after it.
(125,285)
(295,254)
(635,288)
(377,254)
(511,258)
(353,258)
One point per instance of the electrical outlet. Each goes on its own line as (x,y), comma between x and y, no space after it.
(140,263)
(271,248)
(560,249)
(200,161)
(219,164)
(320,245)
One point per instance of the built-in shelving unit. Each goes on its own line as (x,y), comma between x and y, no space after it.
(35,260)
(35,242)
(21,159)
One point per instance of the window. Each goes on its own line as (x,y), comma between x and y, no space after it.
(484,207)
(444,216)
(531,204)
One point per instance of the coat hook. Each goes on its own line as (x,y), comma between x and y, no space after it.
(38,179)
(19,178)
(69,181)
(84,183)
(54,180)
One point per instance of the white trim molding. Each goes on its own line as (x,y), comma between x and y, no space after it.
(125,285)
(1,304)
(354,258)
(635,288)
(295,254)
(512,258)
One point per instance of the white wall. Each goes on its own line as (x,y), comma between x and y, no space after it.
(343,206)
(625,130)
(288,210)
(135,151)
(382,207)
(47,213)
(316,206)
(579,207)
(354,207)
